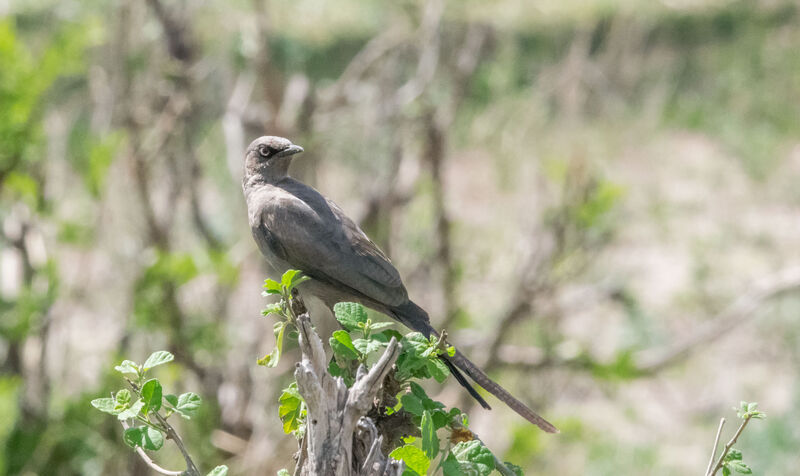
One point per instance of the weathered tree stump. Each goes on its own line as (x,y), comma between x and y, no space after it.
(340,440)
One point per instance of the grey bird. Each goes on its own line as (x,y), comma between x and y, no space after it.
(296,227)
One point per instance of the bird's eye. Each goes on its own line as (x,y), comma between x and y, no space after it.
(265,151)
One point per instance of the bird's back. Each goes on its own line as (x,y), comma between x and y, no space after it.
(297,227)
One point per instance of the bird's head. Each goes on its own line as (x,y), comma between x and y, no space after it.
(269,157)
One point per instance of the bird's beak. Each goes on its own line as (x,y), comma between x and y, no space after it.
(291,150)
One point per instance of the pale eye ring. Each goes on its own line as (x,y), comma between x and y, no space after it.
(265,151)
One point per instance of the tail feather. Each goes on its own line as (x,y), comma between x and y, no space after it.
(502,394)
(416,318)
(463,381)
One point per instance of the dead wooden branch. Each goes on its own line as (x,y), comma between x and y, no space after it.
(340,440)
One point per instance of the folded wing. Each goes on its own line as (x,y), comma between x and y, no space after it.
(325,244)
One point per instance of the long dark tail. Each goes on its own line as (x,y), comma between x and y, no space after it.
(416,318)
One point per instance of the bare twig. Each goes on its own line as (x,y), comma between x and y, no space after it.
(716,443)
(191,469)
(301,458)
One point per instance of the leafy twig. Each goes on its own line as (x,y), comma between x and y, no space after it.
(731,459)
(729,445)
(148,461)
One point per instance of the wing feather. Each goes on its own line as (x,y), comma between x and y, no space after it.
(321,240)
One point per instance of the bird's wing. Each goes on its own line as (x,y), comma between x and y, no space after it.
(330,246)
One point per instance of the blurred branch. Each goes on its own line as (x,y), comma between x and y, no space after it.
(429,35)
(741,310)
(437,124)
(176,33)
(375,49)
(533,282)
(232,121)
(650,361)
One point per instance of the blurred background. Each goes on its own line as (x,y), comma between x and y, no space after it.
(599,200)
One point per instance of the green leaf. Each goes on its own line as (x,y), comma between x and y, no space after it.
(474,458)
(292,278)
(342,345)
(132,411)
(156,359)
(291,409)
(172,399)
(127,367)
(187,404)
(145,437)
(123,397)
(151,394)
(283,472)
(276,308)
(427,402)
(270,360)
(741,412)
(221,470)
(279,329)
(752,406)
(412,404)
(288,276)
(413,457)
(380,325)
(451,466)
(107,405)
(726,471)
(272,287)
(417,342)
(514,468)
(438,369)
(350,314)
(367,346)
(733,455)
(389,333)
(335,370)
(430,442)
(740,467)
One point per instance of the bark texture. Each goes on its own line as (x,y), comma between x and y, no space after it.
(340,440)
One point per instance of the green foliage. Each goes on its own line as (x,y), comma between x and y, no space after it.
(145,437)
(749,410)
(158,282)
(474,458)
(283,310)
(142,403)
(292,411)
(419,358)
(414,458)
